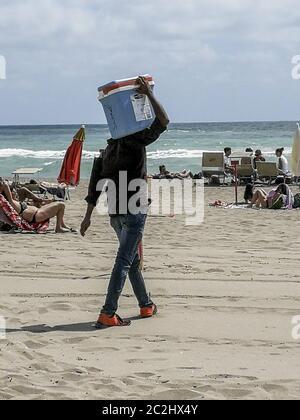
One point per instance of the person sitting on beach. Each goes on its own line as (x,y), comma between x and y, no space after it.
(248,195)
(283,165)
(258,158)
(227,161)
(33,214)
(163,172)
(249,150)
(277,198)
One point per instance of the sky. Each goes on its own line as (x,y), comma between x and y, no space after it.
(212,60)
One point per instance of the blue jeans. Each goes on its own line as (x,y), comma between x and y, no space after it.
(129,229)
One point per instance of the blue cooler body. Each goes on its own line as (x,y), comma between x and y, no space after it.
(127,112)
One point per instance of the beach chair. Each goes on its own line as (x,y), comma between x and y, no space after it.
(247,160)
(244,167)
(34,188)
(267,170)
(213,164)
(245,172)
(25,172)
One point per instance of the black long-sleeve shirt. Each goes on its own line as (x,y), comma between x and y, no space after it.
(123,155)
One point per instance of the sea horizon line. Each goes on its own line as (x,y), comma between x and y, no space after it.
(172,123)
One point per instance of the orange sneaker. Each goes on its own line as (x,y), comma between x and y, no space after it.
(105,320)
(148,311)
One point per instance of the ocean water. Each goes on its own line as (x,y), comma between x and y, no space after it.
(181,147)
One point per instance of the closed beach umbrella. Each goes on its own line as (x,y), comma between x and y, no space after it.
(296,153)
(70,171)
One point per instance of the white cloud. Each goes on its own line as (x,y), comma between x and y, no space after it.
(76,45)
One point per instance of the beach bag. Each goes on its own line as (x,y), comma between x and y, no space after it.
(5,227)
(215,180)
(296,201)
(278,202)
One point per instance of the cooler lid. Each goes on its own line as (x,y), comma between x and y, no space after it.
(123,84)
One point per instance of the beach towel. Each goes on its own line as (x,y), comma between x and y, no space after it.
(218,203)
(289,201)
(17,220)
(281,201)
(297,201)
(3,218)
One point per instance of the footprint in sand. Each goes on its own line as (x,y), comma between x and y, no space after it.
(135,361)
(230,393)
(144,375)
(273,388)
(26,390)
(225,376)
(177,394)
(60,307)
(75,340)
(215,270)
(35,345)
(43,311)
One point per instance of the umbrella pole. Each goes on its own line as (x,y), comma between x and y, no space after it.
(234,164)
(236,185)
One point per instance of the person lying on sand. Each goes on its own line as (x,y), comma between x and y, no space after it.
(165,174)
(280,197)
(33,214)
(185,174)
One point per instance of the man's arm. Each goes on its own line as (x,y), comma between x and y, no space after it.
(151,134)
(92,196)
(6,189)
(24,193)
(86,223)
(160,112)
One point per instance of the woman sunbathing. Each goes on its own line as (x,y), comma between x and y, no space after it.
(33,214)
(280,197)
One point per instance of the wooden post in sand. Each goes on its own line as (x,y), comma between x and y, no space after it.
(235,164)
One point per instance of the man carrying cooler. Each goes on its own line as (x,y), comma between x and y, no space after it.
(126,155)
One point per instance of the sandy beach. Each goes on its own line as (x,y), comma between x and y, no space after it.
(227,292)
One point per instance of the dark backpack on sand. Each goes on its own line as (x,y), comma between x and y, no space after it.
(297,201)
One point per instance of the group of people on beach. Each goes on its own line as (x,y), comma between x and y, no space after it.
(257,156)
(127,154)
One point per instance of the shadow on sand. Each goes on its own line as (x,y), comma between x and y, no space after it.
(81,327)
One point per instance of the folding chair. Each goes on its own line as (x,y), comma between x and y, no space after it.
(213,164)
(245,171)
(267,170)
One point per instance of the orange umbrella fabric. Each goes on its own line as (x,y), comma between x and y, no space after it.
(70,171)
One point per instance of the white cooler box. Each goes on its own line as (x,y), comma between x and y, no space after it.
(127,112)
